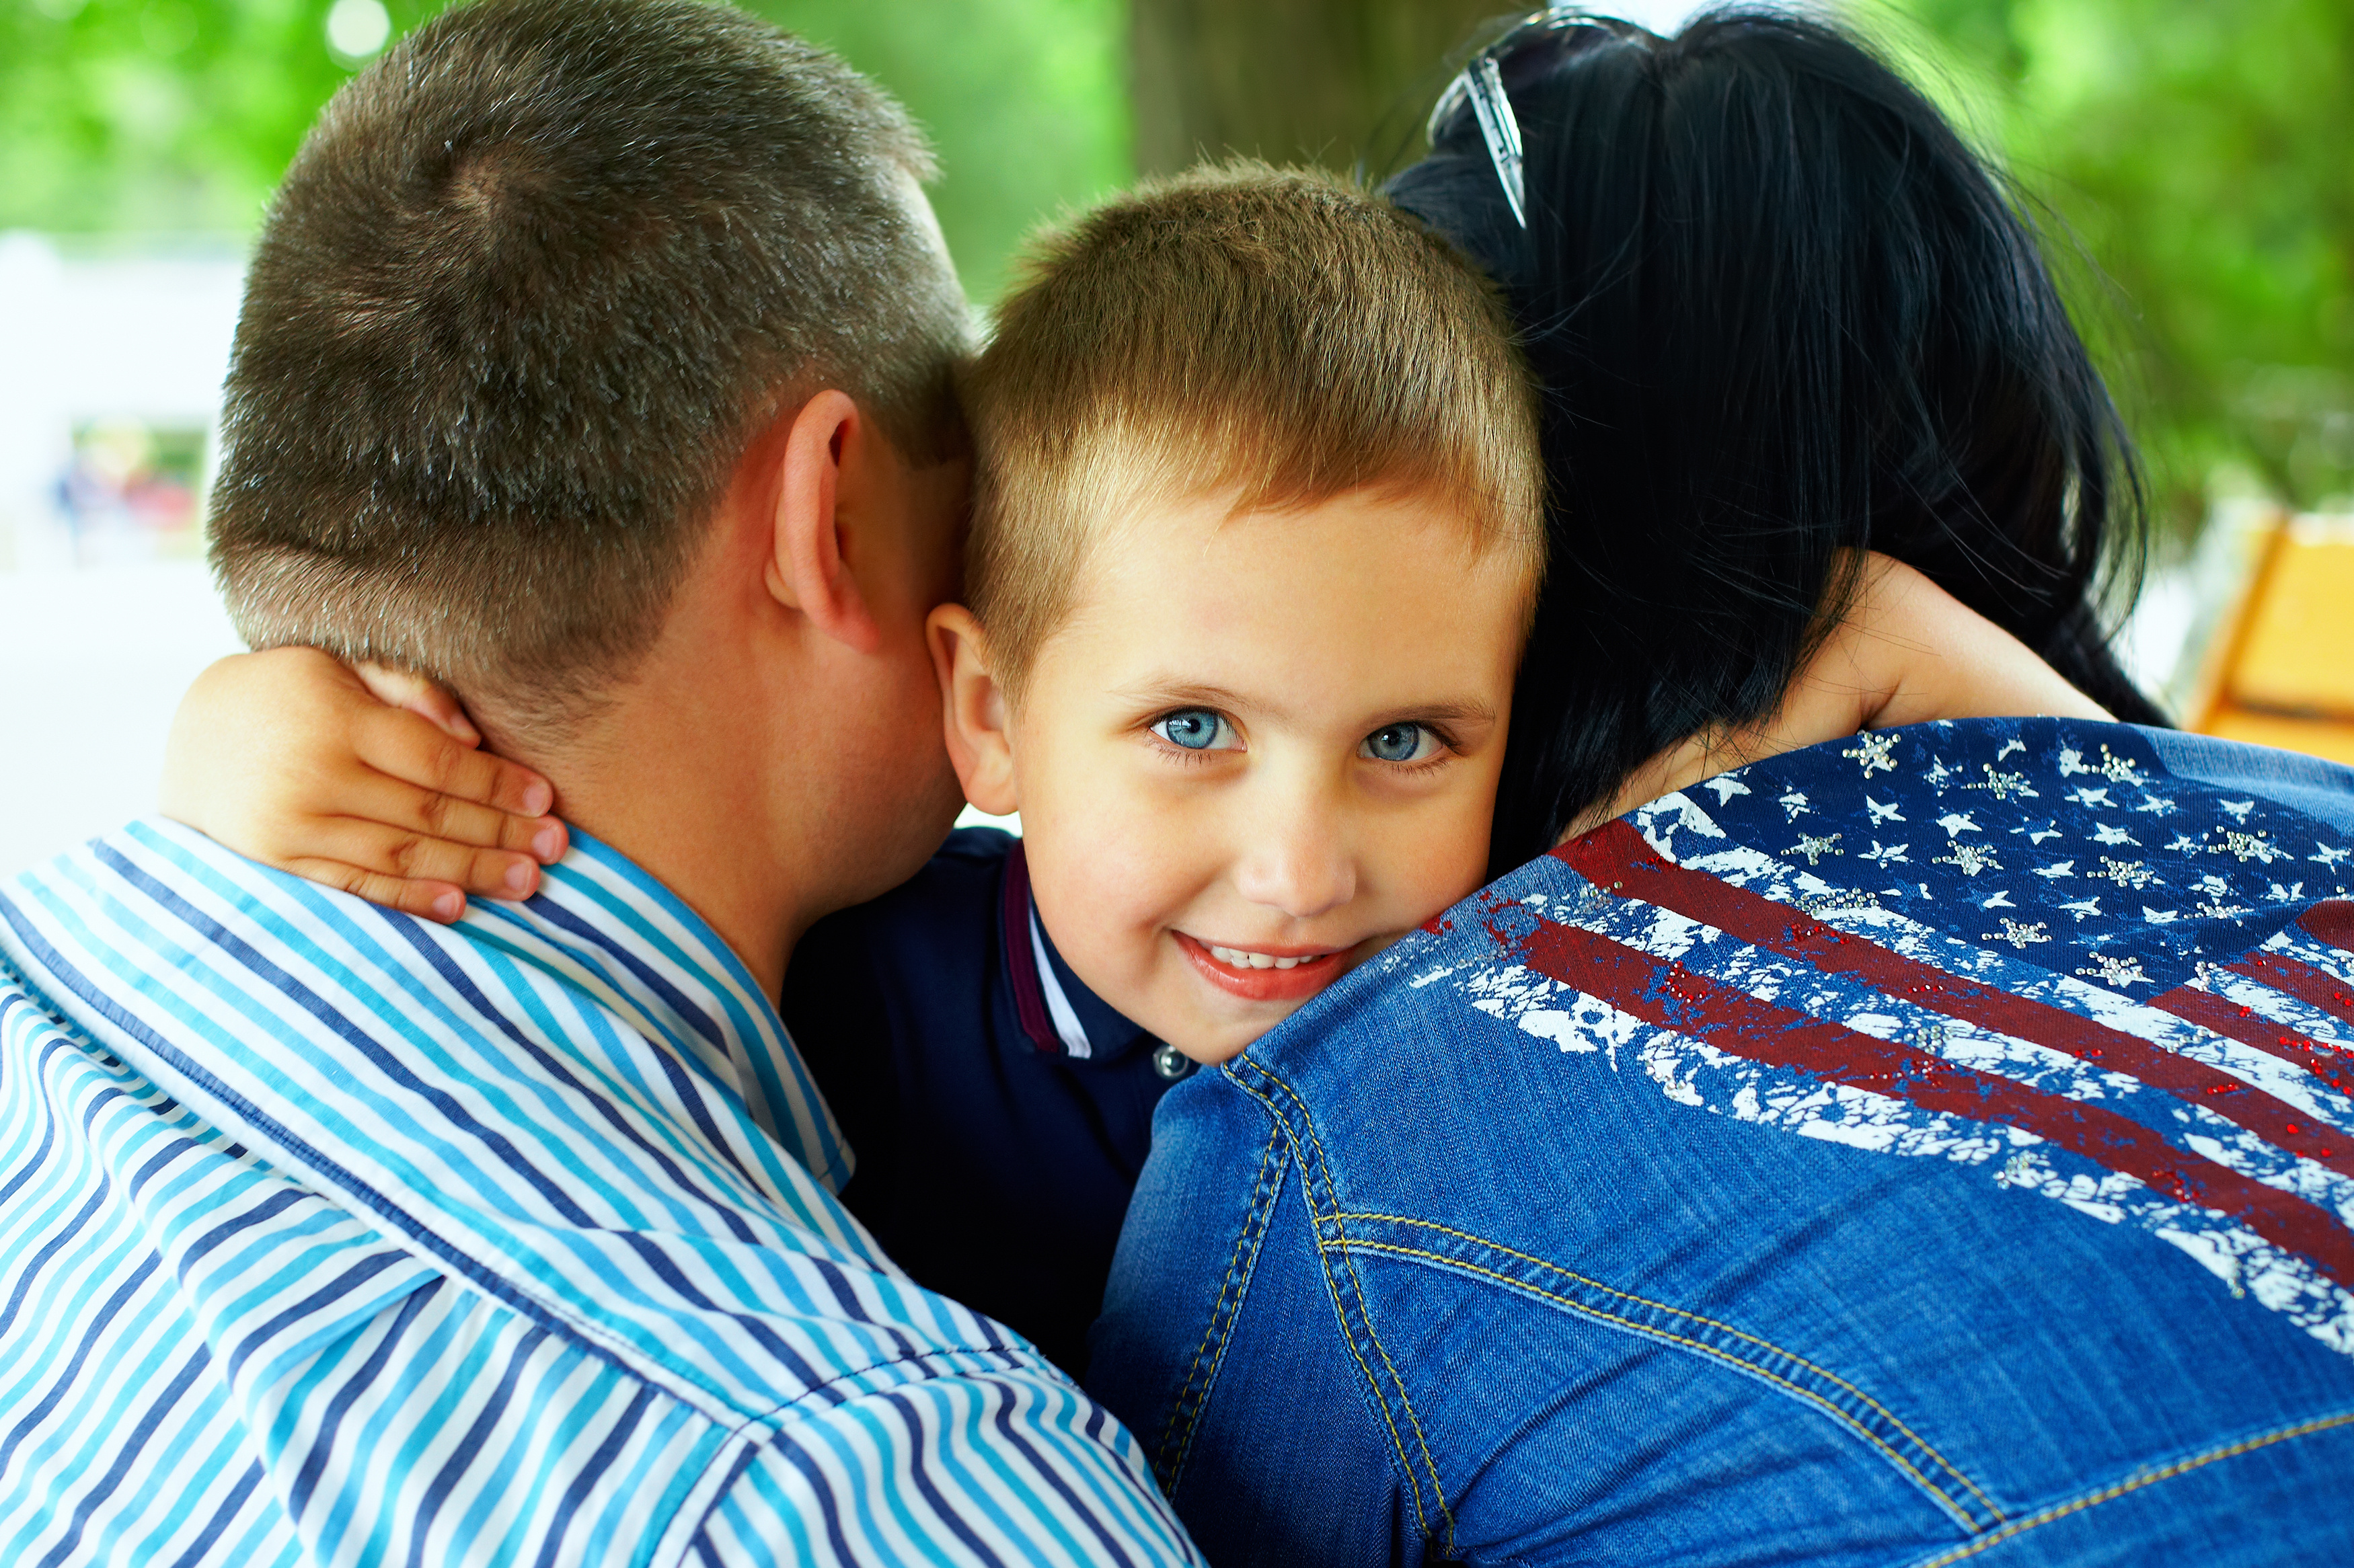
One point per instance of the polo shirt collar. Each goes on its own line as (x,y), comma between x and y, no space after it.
(1059,1013)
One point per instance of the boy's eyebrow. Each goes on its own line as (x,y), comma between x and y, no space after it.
(1189,692)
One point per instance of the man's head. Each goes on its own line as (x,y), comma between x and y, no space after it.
(1257,533)
(537,281)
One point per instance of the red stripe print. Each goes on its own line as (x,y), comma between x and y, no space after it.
(1616,858)
(2224,1016)
(2331,921)
(2318,988)
(1029,999)
(1664,993)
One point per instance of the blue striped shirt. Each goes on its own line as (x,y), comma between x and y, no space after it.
(329,1235)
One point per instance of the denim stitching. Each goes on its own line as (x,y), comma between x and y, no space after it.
(1824,1372)
(1185,1417)
(1307,1195)
(2135,1483)
(1430,1464)
(1422,1442)
(1702,1347)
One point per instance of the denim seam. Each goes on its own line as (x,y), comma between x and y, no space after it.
(1365,1308)
(2137,1482)
(1185,1412)
(1827,1375)
(1413,1482)
(1328,1213)
(1702,1347)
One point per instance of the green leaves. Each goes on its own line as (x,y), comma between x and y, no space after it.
(2200,155)
(177,115)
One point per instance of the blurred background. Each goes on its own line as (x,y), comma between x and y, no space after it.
(2189,159)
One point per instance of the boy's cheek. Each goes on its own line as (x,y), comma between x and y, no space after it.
(1102,877)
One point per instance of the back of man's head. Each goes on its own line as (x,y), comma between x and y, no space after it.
(534,279)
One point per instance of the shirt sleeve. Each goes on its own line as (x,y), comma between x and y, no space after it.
(1013,1466)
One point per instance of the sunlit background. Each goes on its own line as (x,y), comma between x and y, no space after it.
(2190,157)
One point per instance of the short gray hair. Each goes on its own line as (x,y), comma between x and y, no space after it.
(534,280)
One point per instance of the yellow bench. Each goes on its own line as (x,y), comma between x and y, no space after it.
(2281,673)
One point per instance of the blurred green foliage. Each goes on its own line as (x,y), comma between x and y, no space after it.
(164,116)
(2201,154)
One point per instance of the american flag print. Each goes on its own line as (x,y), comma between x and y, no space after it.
(2022,946)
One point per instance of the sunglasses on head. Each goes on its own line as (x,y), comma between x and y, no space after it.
(1481,84)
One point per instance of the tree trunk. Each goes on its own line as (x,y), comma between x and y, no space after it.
(1337,82)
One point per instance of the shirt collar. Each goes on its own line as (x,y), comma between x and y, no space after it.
(602,923)
(1059,1014)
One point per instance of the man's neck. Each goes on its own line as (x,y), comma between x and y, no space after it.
(662,777)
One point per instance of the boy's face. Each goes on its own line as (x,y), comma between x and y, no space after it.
(1260,749)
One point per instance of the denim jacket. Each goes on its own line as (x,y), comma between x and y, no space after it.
(1933,1147)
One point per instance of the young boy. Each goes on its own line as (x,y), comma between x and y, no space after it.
(1258,527)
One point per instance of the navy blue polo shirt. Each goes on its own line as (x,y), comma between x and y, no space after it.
(999,1110)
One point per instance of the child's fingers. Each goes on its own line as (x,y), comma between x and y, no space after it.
(374,797)
(437,901)
(395,742)
(428,700)
(391,852)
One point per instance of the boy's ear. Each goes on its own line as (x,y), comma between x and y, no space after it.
(821,495)
(973,711)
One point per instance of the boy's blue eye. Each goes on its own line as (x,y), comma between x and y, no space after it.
(1400,742)
(1198,729)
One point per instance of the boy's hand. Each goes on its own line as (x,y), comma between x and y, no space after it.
(367,780)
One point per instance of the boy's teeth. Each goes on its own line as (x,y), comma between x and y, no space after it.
(1243,961)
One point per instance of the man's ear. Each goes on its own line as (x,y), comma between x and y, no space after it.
(807,568)
(973,711)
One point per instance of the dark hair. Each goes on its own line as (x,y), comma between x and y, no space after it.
(1779,310)
(532,282)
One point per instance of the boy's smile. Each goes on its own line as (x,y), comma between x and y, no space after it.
(1283,975)
(1260,749)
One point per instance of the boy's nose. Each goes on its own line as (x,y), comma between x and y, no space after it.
(1302,868)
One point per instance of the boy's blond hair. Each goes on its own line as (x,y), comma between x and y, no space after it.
(1273,336)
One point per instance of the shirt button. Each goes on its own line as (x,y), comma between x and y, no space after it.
(1171,1064)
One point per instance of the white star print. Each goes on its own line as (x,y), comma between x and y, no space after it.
(1970,858)
(2018,935)
(2252,846)
(2004,785)
(1814,848)
(2112,970)
(1876,749)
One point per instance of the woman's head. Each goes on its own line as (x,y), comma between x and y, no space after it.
(1781,311)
